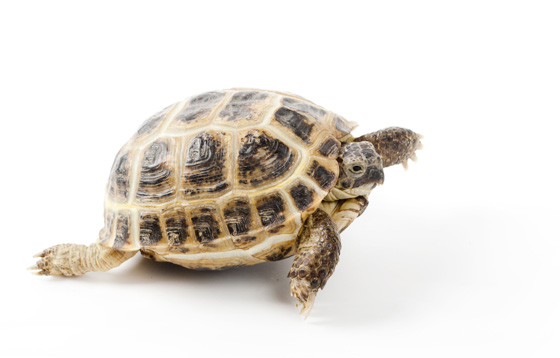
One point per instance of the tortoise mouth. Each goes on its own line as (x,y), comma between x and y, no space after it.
(373,175)
(360,191)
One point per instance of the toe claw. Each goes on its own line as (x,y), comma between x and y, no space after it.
(40,254)
(307,305)
(405,164)
(304,295)
(36,270)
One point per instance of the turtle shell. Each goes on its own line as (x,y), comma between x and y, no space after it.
(222,179)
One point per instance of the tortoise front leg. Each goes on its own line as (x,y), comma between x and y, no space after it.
(395,145)
(318,249)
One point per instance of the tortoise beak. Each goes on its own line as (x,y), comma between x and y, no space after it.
(378,177)
(374,175)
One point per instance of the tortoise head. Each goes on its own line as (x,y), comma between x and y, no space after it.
(361,168)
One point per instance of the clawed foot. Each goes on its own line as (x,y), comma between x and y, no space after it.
(417,146)
(53,261)
(305,295)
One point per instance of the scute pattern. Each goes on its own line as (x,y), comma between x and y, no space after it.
(206,224)
(297,123)
(263,159)
(118,181)
(157,178)
(323,176)
(205,171)
(199,107)
(238,216)
(245,106)
(196,112)
(304,107)
(176,227)
(122,230)
(222,179)
(150,229)
(329,148)
(272,210)
(303,196)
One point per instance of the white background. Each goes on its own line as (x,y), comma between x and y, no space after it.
(457,257)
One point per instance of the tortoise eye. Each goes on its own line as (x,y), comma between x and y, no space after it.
(357,169)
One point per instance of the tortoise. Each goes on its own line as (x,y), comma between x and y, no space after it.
(238,177)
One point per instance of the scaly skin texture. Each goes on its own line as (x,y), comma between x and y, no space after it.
(395,145)
(316,257)
(348,211)
(74,260)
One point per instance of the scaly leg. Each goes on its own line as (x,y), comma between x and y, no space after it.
(73,260)
(318,249)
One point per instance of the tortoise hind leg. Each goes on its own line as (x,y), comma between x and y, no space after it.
(318,249)
(73,260)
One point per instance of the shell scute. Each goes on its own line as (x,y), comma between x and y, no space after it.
(157,179)
(239,216)
(150,228)
(263,159)
(296,123)
(243,108)
(303,195)
(206,223)
(206,172)
(329,147)
(197,111)
(122,231)
(176,226)
(153,123)
(118,186)
(305,107)
(322,175)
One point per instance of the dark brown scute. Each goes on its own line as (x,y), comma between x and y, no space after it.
(119,177)
(240,106)
(237,214)
(262,159)
(302,195)
(205,169)
(271,210)
(295,122)
(199,107)
(122,230)
(303,107)
(205,224)
(329,148)
(156,178)
(324,177)
(150,229)
(176,226)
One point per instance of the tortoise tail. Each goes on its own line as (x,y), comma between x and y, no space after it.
(74,260)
